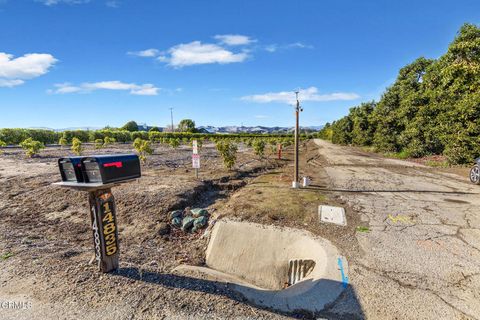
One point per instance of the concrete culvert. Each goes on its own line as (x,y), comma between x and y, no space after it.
(280,268)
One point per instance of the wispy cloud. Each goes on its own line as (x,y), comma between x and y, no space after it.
(13,71)
(135,89)
(308,94)
(145,53)
(261,116)
(112,4)
(276,47)
(234,39)
(54,2)
(193,53)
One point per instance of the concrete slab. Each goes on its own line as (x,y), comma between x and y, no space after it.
(254,260)
(331,214)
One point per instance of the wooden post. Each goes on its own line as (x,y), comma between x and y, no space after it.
(105,230)
(279,151)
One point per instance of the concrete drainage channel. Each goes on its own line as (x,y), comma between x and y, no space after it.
(280,268)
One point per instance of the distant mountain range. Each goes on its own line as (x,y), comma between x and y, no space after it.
(257,129)
(211,129)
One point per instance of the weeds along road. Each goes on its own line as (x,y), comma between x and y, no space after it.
(421,257)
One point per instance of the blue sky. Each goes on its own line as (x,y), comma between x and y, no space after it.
(75,63)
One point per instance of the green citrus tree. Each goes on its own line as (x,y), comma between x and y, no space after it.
(31,147)
(77,146)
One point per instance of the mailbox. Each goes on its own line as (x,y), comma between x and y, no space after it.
(71,169)
(110,168)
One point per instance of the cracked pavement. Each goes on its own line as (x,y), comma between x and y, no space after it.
(421,257)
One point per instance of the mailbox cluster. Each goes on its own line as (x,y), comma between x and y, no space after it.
(102,169)
(97,174)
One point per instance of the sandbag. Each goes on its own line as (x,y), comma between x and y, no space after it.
(177,222)
(199,223)
(176,214)
(187,223)
(198,212)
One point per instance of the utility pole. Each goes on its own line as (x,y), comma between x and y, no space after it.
(298,109)
(171,116)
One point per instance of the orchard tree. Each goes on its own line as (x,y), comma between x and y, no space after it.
(62,142)
(228,152)
(259,147)
(2,145)
(98,143)
(143,148)
(31,147)
(77,146)
(131,126)
(186,125)
(108,141)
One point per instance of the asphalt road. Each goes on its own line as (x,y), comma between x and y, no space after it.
(420,258)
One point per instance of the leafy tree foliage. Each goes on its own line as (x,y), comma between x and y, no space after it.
(31,147)
(228,152)
(98,143)
(77,146)
(62,142)
(108,141)
(259,147)
(130,126)
(186,125)
(433,107)
(143,148)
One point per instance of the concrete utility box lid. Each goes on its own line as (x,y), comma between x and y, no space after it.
(332,215)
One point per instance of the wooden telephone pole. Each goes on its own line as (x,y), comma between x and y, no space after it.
(298,109)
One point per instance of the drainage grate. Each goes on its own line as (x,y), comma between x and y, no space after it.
(298,269)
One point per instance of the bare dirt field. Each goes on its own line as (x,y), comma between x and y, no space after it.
(45,239)
(412,240)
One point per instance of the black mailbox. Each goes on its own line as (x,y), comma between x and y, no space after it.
(110,168)
(71,169)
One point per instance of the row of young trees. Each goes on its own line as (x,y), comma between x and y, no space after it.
(16,136)
(432,108)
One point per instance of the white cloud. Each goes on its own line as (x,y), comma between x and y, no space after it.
(10,83)
(299,45)
(54,2)
(309,94)
(13,71)
(187,54)
(275,47)
(234,39)
(112,4)
(144,53)
(271,48)
(261,116)
(135,89)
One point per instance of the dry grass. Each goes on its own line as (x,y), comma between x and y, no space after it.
(270,198)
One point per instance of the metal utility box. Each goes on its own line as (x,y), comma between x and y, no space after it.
(107,169)
(71,169)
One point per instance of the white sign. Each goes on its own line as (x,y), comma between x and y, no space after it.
(195,147)
(196,161)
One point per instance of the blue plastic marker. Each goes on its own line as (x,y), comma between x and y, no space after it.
(344,278)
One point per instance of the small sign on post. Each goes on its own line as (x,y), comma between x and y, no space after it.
(195,158)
